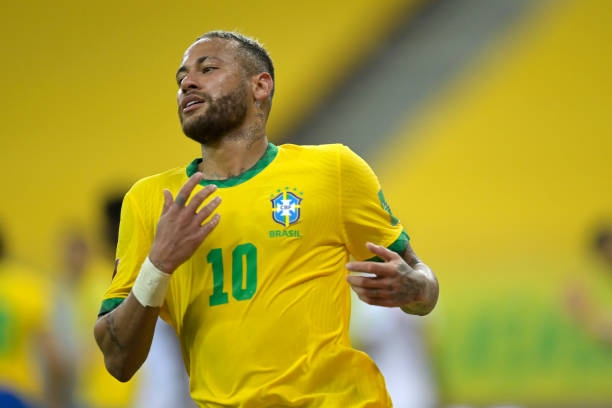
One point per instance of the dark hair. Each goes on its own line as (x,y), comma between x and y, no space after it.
(112,216)
(602,237)
(256,58)
(2,247)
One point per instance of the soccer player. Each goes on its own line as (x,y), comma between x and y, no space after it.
(245,251)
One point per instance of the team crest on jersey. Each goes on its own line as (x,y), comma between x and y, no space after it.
(286,208)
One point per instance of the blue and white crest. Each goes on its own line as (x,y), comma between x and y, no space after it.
(286,208)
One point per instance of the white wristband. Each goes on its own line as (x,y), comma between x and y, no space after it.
(151,285)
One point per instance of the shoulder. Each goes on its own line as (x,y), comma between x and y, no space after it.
(169,179)
(335,152)
(330,148)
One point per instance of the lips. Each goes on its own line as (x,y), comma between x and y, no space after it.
(191,102)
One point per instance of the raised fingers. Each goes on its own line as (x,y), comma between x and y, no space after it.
(210,225)
(200,196)
(208,209)
(167,201)
(185,191)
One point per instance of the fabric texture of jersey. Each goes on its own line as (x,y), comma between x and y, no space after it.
(262,308)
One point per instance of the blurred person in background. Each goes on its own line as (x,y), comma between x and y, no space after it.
(31,372)
(261,298)
(588,296)
(81,273)
(397,344)
(172,388)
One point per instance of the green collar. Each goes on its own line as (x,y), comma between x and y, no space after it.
(261,164)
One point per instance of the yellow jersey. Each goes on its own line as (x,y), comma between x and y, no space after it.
(262,308)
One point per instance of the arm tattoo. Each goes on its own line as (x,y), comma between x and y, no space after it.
(411,258)
(413,261)
(111,328)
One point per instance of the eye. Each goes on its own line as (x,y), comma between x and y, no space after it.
(205,69)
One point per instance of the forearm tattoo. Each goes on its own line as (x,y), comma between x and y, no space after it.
(414,287)
(111,328)
(411,288)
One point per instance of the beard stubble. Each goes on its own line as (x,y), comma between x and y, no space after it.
(221,116)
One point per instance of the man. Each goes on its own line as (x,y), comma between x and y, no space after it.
(256,288)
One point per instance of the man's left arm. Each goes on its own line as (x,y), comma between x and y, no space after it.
(401,280)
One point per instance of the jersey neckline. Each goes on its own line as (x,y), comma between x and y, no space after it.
(261,164)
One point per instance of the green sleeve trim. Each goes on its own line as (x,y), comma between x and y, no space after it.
(400,244)
(392,218)
(109,305)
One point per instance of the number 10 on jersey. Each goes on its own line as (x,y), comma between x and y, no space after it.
(244,274)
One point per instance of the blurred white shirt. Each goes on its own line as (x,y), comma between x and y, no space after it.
(394,340)
(164,381)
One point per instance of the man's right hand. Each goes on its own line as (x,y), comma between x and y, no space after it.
(182,227)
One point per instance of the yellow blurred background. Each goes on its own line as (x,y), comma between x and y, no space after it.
(89,92)
(498,177)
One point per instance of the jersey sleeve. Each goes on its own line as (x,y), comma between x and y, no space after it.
(134,242)
(365,214)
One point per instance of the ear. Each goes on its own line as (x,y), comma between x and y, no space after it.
(262,85)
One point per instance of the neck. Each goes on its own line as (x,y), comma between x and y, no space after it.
(231,157)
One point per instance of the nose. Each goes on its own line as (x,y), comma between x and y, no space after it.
(189,82)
